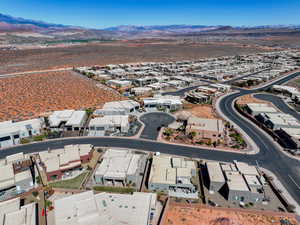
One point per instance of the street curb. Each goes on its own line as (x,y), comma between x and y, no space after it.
(281,187)
(161,140)
(254,148)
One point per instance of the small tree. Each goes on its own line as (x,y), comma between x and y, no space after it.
(24,141)
(48,204)
(35,193)
(193,134)
(214,144)
(89,111)
(168,132)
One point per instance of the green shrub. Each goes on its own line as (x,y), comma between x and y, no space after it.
(25,141)
(48,203)
(114,189)
(39,138)
(35,193)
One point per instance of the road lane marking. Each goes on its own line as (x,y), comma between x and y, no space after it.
(292,179)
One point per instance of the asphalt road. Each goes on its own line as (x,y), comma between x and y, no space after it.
(279,103)
(142,144)
(153,122)
(269,157)
(180,92)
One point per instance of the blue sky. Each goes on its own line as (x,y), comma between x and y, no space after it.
(106,13)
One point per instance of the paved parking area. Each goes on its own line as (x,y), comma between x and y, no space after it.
(153,122)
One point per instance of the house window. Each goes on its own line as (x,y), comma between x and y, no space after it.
(53,177)
(16,136)
(5,138)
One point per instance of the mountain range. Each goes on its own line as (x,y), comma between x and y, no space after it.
(9,23)
(16,23)
(20,30)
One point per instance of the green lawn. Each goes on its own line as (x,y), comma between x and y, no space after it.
(72,183)
(114,189)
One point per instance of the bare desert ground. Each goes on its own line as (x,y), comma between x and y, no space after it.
(250,99)
(113,52)
(29,96)
(202,111)
(179,214)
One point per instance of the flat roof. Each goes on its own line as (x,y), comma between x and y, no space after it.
(215,172)
(252,180)
(109,120)
(162,170)
(67,157)
(291,131)
(124,82)
(7,178)
(15,157)
(206,88)
(141,89)
(76,119)
(12,214)
(125,104)
(228,167)
(220,85)
(118,163)
(104,208)
(9,127)
(282,119)
(206,124)
(246,169)
(58,116)
(236,182)
(165,99)
(256,107)
(286,88)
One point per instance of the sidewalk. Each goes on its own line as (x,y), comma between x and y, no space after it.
(285,193)
(253,148)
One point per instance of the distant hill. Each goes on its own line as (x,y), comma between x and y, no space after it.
(19,31)
(10,22)
(162,28)
(19,23)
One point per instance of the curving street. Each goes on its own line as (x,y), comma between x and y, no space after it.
(270,156)
(279,103)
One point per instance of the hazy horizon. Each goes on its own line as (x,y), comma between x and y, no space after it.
(104,14)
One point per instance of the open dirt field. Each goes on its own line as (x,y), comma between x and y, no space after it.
(250,99)
(108,53)
(179,214)
(202,111)
(28,96)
